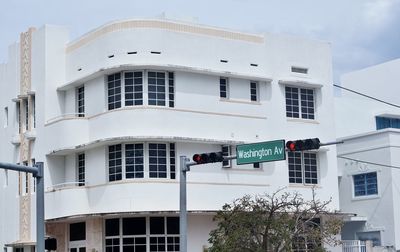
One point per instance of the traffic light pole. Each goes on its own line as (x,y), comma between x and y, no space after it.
(37,172)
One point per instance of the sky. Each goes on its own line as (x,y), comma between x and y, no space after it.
(362,32)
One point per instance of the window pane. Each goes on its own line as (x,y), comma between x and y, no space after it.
(156,87)
(77,231)
(157,160)
(112,227)
(114,91)
(134,226)
(157,225)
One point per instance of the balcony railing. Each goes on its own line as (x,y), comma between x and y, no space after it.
(65,185)
(354,246)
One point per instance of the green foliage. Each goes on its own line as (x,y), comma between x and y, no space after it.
(278,222)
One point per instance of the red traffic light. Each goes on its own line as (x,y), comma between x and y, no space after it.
(305,144)
(206,158)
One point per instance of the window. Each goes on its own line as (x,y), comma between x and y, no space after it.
(33,162)
(303,168)
(18,115)
(19,249)
(80,101)
(387,122)
(299,103)
(134,160)
(226,151)
(253,91)
(33,101)
(171,89)
(223,87)
(142,233)
(27,176)
(133,88)
(77,231)
(26,109)
(81,169)
(156,86)
(365,184)
(115,162)
(374,236)
(5,117)
(129,90)
(129,161)
(114,91)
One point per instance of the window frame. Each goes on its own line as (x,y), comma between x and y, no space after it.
(80,101)
(254,91)
(79,168)
(148,235)
(303,167)
(169,89)
(226,87)
(171,173)
(365,185)
(303,112)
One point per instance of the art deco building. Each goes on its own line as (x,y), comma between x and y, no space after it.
(111,112)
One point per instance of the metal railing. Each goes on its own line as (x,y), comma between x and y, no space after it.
(354,246)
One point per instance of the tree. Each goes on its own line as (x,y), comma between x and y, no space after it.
(276,222)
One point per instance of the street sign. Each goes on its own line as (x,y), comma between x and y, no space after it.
(260,152)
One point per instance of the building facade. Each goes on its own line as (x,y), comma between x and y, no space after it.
(368,159)
(111,112)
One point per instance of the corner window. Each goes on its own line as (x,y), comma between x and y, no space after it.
(253,91)
(365,184)
(128,88)
(114,91)
(387,122)
(303,168)
(223,87)
(141,160)
(80,101)
(300,103)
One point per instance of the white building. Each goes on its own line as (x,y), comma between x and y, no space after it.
(111,112)
(369,160)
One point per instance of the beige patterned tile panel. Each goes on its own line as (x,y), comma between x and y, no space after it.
(164,25)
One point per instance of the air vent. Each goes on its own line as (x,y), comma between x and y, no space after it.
(254,65)
(155,52)
(131,52)
(224,61)
(111,56)
(301,70)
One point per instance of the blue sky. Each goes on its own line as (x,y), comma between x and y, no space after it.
(362,32)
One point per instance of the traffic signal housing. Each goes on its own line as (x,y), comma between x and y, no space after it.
(206,158)
(304,144)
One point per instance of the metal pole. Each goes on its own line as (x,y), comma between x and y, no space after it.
(182,205)
(22,168)
(40,229)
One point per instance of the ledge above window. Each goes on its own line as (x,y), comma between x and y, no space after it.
(163,67)
(300,83)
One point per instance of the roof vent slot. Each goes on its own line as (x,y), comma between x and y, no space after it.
(131,52)
(111,56)
(155,52)
(301,70)
(253,65)
(224,61)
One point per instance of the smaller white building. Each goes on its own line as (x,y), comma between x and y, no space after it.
(369,160)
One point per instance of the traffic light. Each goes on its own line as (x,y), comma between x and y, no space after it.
(302,145)
(211,157)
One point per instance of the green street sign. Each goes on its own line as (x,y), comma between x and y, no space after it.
(260,152)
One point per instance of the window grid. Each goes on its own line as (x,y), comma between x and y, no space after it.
(114,91)
(134,160)
(115,162)
(81,169)
(159,234)
(303,168)
(171,90)
(365,184)
(253,91)
(307,103)
(172,160)
(226,151)
(18,110)
(81,101)
(157,161)
(300,100)
(133,88)
(156,88)
(387,122)
(223,87)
